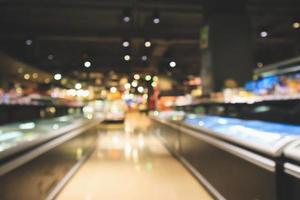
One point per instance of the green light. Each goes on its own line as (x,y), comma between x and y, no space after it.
(148,78)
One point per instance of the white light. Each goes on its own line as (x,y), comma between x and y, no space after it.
(172,64)
(140,89)
(50,57)
(148,78)
(87,64)
(144,58)
(156,20)
(126,44)
(78,86)
(57,77)
(136,76)
(264,34)
(127,57)
(35,75)
(127,86)
(113,89)
(126,19)
(28,42)
(296,25)
(26,76)
(134,84)
(147,44)
(27,126)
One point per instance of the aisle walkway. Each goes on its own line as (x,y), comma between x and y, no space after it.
(131,164)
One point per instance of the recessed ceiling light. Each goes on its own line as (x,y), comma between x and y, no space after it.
(147,44)
(144,58)
(87,64)
(264,34)
(26,76)
(35,75)
(57,77)
(126,43)
(127,57)
(126,19)
(296,25)
(28,42)
(50,57)
(172,64)
(156,20)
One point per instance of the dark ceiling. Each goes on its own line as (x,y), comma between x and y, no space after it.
(79,30)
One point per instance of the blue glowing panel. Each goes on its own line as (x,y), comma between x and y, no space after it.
(259,132)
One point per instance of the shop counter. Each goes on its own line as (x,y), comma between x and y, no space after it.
(38,157)
(233,158)
(291,168)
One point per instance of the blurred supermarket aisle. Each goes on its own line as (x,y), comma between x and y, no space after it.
(130,163)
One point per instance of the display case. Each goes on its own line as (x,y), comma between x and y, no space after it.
(291,168)
(225,153)
(38,157)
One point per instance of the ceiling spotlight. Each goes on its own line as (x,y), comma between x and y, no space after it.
(57,77)
(126,43)
(144,58)
(126,19)
(127,57)
(136,76)
(148,44)
(35,75)
(87,64)
(296,25)
(50,57)
(78,86)
(264,34)
(126,16)
(28,42)
(156,18)
(172,64)
(26,76)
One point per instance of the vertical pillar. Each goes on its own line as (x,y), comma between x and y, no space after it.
(227,52)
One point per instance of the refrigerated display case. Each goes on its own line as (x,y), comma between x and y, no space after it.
(38,157)
(291,168)
(233,158)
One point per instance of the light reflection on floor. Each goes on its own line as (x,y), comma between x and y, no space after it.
(130,163)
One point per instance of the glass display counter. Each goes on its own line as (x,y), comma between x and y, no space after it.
(19,136)
(291,168)
(43,151)
(265,137)
(225,153)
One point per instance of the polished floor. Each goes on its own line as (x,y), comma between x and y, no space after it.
(132,164)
